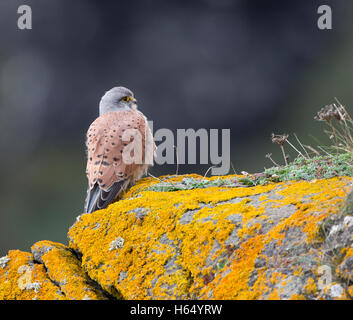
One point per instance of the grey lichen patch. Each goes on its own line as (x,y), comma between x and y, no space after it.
(118,243)
(165,240)
(339,235)
(63,282)
(210,260)
(96,226)
(235,218)
(346,269)
(187,217)
(139,212)
(336,291)
(335,230)
(3,261)
(348,221)
(253,199)
(233,238)
(122,276)
(275,196)
(32,286)
(38,252)
(273,215)
(289,287)
(171,265)
(234,200)
(210,218)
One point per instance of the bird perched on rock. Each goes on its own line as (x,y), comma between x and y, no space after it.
(120,148)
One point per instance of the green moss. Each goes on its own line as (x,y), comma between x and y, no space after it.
(320,167)
(193,183)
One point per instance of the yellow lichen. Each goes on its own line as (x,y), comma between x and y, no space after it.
(64,268)
(201,243)
(350,291)
(310,287)
(297,297)
(22,279)
(143,258)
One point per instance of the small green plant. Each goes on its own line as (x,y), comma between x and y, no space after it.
(333,160)
(192,183)
(330,161)
(318,167)
(340,133)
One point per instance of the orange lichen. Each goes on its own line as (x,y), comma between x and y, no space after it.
(350,291)
(310,287)
(348,253)
(196,244)
(297,297)
(141,241)
(207,243)
(22,279)
(64,268)
(343,270)
(298,271)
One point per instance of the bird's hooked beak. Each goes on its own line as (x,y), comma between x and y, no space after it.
(133,103)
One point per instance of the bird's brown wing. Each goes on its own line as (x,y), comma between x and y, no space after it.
(107,172)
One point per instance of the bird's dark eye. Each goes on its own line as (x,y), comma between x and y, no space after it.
(125,99)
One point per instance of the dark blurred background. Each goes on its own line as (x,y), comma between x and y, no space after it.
(255,67)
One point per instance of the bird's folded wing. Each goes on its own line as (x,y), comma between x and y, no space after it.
(107,138)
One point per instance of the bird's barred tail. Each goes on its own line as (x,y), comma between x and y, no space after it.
(98,198)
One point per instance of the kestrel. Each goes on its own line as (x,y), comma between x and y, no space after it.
(120,148)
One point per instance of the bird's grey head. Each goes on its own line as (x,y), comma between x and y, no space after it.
(117,99)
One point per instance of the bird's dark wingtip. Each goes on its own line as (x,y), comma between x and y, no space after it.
(98,198)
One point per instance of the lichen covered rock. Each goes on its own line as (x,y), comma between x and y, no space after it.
(262,242)
(64,269)
(22,278)
(288,240)
(52,272)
